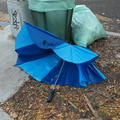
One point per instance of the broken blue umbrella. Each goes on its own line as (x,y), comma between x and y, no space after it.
(51,60)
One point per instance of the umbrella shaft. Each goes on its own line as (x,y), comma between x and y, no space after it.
(59,74)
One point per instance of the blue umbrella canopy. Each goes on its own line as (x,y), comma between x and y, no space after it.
(41,54)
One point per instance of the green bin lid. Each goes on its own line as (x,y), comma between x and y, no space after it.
(50,5)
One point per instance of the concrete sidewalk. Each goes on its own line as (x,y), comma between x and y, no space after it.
(11,78)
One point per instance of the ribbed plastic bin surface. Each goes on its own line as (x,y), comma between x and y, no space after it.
(56,22)
(53,19)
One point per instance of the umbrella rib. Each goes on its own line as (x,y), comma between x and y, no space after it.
(59,74)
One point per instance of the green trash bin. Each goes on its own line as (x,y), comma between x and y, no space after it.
(53,15)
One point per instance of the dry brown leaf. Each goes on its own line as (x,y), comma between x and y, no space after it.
(1,28)
(103,18)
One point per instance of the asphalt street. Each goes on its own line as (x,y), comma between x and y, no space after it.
(108,12)
(107,8)
(3,6)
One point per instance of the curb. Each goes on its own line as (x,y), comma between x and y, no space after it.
(113,33)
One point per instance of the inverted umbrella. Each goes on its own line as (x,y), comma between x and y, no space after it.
(51,60)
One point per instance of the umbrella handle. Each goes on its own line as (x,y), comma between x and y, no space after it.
(51,94)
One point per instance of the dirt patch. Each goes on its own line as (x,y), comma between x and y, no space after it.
(103,18)
(112,25)
(69,103)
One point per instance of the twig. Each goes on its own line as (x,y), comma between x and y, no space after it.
(107,100)
(99,93)
(50,116)
(116,94)
(91,108)
(72,105)
(83,119)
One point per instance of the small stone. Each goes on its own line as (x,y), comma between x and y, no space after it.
(117,56)
(118,20)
